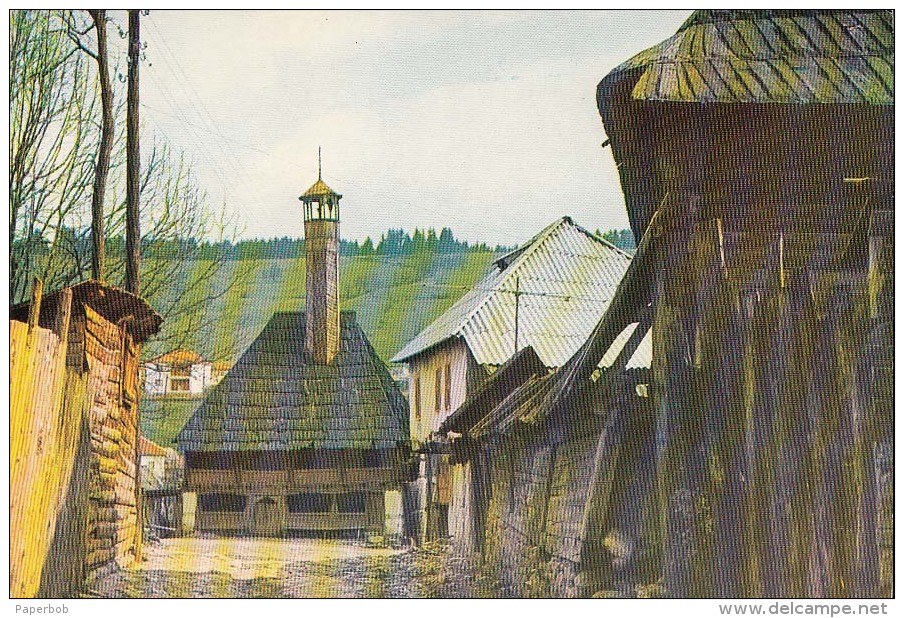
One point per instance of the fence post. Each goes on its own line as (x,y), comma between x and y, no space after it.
(34,311)
(61,320)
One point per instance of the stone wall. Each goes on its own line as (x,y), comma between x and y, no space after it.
(112,361)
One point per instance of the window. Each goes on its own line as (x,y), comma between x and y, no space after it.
(309,503)
(309,459)
(373,459)
(438,390)
(179,378)
(268,461)
(448,385)
(222,503)
(416,396)
(353,502)
(209,461)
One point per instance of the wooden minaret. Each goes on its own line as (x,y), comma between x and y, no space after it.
(321,234)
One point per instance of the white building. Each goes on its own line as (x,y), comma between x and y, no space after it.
(178,371)
(549,294)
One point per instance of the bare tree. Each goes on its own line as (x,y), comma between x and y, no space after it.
(55,135)
(105,148)
(51,148)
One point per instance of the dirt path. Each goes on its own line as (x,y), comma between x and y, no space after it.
(305,568)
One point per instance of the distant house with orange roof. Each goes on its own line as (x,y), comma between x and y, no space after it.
(178,371)
(153,463)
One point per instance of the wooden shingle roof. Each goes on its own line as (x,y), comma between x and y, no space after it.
(318,189)
(769,56)
(276,398)
(516,371)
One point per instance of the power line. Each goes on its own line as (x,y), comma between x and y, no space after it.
(362,189)
(517,292)
(185,84)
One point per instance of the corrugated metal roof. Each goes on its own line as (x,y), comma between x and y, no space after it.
(566,276)
(776,56)
(643,355)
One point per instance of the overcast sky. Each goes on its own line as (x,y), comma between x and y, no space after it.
(483,122)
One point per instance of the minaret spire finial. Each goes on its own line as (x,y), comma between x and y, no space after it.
(319,167)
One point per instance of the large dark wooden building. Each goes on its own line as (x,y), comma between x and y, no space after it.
(307,431)
(756,153)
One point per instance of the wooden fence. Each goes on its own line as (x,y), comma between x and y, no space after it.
(74,443)
(47,433)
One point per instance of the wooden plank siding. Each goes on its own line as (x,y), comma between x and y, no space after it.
(241,481)
(536,515)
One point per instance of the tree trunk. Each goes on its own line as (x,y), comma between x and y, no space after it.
(104,149)
(133,232)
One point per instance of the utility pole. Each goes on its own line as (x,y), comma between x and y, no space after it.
(133,237)
(133,164)
(518,294)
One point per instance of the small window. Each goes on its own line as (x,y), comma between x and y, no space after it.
(222,503)
(438,390)
(309,503)
(416,396)
(353,502)
(448,384)
(311,459)
(181,371)
(267,461)
(373,459)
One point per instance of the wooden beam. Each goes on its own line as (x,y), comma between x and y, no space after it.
(61,320)
(633,292)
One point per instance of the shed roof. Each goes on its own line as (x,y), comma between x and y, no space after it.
(518,369)
(566,275)
(149,447)
(518,408)
(277,398)
(768,56)
(111,302)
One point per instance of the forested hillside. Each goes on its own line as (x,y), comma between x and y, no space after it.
(394,297)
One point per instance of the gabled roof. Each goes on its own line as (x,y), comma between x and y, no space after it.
(769,56)
(277,398)
(179,356)
(566,275)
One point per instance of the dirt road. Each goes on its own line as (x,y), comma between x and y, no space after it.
(303,568)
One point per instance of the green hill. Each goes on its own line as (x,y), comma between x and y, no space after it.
(393,297)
